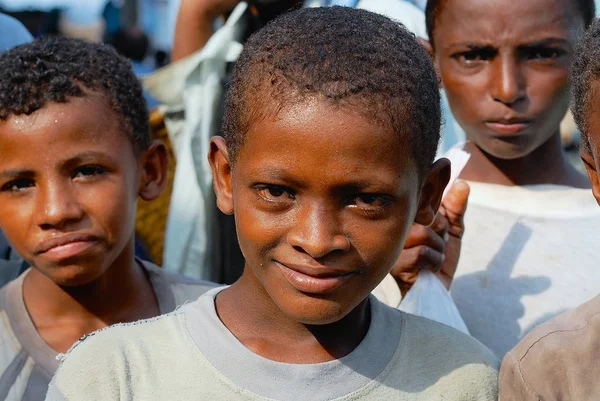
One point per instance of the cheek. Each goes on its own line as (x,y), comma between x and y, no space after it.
(112,206)
(549,93)
(379,243)
(15,221)
(257,231)
(465,94)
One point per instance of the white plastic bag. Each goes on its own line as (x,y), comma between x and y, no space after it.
(428,297)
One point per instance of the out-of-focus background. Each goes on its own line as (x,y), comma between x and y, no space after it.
(144,28)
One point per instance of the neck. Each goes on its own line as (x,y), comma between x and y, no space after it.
(247,310)
(62,315)
(545,165)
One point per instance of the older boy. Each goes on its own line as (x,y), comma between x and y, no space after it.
(325,163)
(559,359)
(75,156)
(528,249)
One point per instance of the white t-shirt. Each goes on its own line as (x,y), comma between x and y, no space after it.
(528,254)
(190,355)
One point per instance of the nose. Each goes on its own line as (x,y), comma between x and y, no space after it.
(317,232)
(507,81)
(57,207)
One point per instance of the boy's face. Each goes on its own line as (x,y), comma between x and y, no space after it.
(69,181)
(323,200)
(505,71)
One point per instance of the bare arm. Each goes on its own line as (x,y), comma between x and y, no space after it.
(195,24)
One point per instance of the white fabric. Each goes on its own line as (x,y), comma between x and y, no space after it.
(528,254)
(425,361)
(194,84)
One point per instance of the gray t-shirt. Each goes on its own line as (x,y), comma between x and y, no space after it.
(191,355)
(27,363)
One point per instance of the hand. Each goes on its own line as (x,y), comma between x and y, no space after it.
(436,247)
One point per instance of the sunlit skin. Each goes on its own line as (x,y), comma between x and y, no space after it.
(591,157)
(323,200)
(69,183)
(505,73)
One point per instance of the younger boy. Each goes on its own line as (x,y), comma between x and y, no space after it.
(75,155)
(325,163)
(559,359)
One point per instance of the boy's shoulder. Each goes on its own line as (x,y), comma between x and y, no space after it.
(557,359)
(435,360)
(424,336)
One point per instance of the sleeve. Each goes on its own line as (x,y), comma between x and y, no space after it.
(512,386)
(90,371)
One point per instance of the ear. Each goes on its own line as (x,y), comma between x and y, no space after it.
(218,157)
(433,189)
(592,172)
(155,163)
(429,48)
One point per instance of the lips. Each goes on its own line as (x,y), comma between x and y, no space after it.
(66,246)
(512,126)
(314,279)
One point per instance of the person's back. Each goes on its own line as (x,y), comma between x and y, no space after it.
(324,169)
(75,155)
(526,250)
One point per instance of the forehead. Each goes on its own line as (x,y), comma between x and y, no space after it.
(320,145)
(510,21)
(62,129)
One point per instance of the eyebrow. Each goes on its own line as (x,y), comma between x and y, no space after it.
(538,43)
(11,174)
(356,185)
(546,42)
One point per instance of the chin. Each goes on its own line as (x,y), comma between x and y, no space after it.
(70,275)
(314,311)
(505,150)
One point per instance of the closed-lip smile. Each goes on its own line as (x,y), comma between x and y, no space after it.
(314,279)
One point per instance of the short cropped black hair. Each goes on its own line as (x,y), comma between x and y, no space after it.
(434,8)
(52,69)
(352,59)
(585,73)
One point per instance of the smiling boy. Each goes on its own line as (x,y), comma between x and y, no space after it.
(325,162)
(75,156)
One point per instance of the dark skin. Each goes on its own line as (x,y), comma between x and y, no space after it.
(69,202)
(506,77)
(320,225)
(591,156)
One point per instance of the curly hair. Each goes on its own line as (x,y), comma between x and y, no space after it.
(52,69)
(434,8)
(585,74)
(352,59)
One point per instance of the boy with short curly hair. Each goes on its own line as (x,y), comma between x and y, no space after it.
(75,156)
(331,127)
